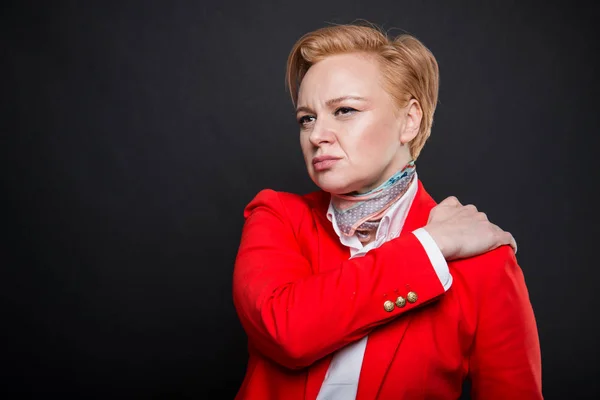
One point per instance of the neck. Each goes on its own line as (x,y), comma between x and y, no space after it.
(361,212)
(401,161)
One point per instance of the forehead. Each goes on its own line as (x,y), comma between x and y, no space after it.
(341,75)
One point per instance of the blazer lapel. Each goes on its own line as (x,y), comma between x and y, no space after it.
(383,342)
(316,376)
(330,254)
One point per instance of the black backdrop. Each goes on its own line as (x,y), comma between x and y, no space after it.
(133,134)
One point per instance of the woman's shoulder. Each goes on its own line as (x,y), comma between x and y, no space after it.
(288,202)
(489,269)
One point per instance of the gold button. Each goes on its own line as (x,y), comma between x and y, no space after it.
(388,306)
(400,301)
(411,297)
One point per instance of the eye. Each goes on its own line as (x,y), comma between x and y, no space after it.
(305,119)
(344,110)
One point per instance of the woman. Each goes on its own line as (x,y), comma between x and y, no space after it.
(366,289)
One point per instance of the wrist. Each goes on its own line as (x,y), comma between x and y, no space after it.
(439,241)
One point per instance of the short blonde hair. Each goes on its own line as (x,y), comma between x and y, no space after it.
(409,69)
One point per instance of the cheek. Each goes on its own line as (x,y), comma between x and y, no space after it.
(305,146)
(373,143)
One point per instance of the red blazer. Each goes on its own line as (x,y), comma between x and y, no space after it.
(299,299)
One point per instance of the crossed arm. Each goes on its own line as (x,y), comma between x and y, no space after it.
(281,302)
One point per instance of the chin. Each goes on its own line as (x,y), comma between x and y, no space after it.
(332,183)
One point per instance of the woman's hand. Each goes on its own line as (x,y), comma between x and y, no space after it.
(463,231)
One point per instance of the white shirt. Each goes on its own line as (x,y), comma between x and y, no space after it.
(341,380)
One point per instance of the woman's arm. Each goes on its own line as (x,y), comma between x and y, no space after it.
(296,317)
(505,362)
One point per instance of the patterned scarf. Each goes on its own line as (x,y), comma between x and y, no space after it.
(363,211)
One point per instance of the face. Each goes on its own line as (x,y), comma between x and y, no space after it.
(352,133)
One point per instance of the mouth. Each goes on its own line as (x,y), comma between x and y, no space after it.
(323,163)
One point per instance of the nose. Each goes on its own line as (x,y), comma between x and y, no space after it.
(321,133)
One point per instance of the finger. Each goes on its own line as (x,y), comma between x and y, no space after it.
(512,242)
(505,238)
(451,201)
(471,208)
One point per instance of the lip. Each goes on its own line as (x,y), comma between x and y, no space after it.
(322,163)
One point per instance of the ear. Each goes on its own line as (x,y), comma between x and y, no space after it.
(414,115)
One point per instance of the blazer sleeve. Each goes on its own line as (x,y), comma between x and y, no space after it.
(294,316)
(505,362)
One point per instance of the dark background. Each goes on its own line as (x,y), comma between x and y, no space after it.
(134,133)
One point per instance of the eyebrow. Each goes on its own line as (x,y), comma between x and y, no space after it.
(332,102)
